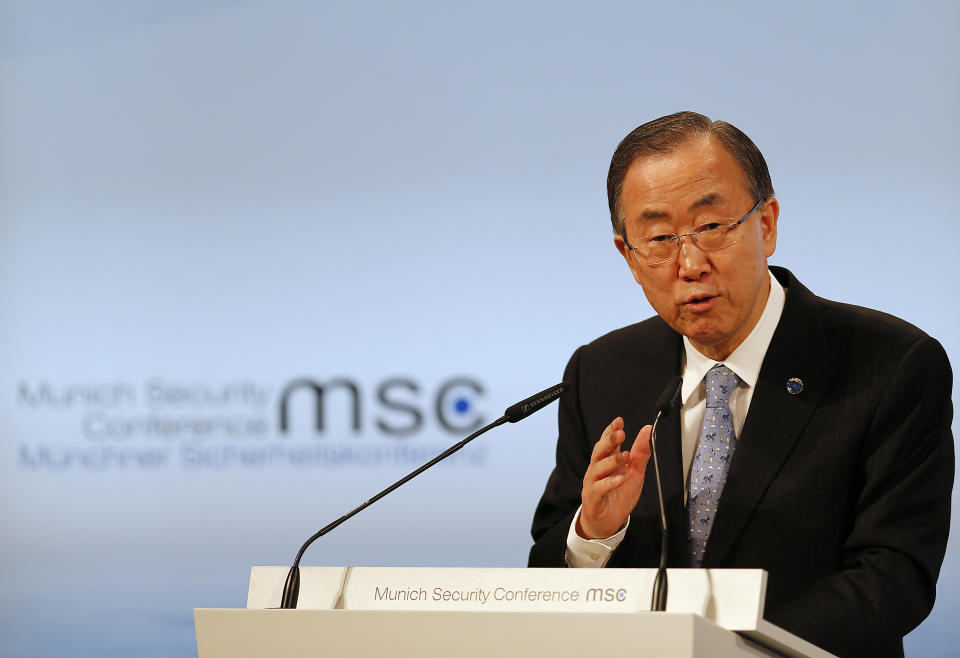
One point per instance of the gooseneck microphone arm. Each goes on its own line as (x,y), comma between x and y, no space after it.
(664,403)
(513,413)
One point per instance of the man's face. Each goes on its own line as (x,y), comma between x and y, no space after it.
(713,297)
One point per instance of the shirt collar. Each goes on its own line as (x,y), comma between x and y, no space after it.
(747,358)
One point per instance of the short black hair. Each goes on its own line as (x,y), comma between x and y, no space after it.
(665,134)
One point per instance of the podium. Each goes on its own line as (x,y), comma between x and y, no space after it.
(427,612)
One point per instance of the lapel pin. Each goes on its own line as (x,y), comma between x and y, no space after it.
(794,385)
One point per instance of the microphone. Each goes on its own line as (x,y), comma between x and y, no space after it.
(534,403)
(513,413)
(669,396)
(664,403)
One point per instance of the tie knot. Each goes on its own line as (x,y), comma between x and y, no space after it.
(721,382)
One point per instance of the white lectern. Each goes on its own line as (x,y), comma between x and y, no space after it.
(423,612)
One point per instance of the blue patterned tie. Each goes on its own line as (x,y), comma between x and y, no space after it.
(712,460)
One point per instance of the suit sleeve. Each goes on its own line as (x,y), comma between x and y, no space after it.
(892,555)
(561,498)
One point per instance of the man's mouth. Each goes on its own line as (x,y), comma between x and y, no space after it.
(700,302)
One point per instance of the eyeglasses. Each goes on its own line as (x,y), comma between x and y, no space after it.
(713,236)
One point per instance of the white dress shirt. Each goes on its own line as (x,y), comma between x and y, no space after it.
(745,361)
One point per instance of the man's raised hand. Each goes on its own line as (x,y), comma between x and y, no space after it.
(613,481)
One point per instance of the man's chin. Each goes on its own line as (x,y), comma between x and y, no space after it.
(708,340)
(702,331)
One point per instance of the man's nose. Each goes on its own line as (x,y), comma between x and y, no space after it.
(692,259)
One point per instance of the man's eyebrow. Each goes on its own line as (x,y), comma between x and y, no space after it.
(711,199)
(707,200)
(653,214)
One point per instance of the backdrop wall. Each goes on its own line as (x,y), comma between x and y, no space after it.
(209,210)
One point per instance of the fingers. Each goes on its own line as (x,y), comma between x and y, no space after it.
(610,440)
(641,445)
(606,457)
(610,464)
(602,486)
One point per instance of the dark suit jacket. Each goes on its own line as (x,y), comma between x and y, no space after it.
(842,493)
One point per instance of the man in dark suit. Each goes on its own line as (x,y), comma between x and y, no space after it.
(823,453)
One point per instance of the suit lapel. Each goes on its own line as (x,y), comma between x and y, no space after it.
(776,418)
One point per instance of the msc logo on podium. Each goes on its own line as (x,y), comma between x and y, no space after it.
(606,594)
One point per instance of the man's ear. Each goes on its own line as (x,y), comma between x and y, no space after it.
(768,225)
(621,245)
(632,263)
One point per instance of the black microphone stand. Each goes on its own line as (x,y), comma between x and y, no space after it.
(664,404)
(659,600)
(291,589)
(513,413)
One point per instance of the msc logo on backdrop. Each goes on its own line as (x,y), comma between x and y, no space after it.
(397,407)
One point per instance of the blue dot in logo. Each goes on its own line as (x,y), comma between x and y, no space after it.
(462,405)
